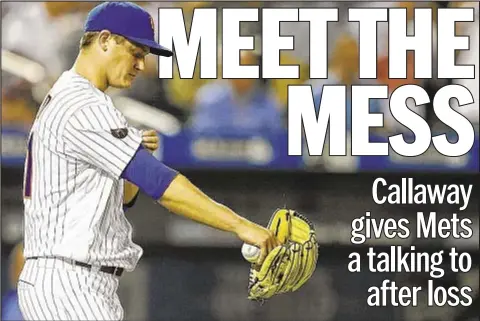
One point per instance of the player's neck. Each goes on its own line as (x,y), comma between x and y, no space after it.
(90,71)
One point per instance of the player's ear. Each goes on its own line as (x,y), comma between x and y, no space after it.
(103,39)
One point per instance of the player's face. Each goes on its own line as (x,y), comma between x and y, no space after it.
(126,62)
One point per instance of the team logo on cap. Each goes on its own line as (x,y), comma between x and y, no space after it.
(151,22)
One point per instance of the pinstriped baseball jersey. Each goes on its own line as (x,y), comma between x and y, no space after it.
(78,147)
(53,289)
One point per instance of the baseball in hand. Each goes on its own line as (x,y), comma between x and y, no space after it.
(251,253)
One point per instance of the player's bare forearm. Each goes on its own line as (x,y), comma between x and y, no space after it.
(184,198)
(129,192)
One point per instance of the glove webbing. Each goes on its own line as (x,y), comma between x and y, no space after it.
(278,259)
(312,267)
(297,234)
(295,256)
(295,250)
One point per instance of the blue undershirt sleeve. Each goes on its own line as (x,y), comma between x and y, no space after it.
(149,174)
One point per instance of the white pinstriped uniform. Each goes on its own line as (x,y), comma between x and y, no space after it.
(74,205)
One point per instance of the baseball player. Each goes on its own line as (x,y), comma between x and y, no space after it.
(85,163)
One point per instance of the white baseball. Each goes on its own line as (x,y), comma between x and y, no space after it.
(251,253)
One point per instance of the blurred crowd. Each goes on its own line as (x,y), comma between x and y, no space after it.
(48,33)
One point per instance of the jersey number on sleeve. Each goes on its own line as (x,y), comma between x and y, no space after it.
(27,180)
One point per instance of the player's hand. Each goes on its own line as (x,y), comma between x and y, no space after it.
(150,140)
(259,236)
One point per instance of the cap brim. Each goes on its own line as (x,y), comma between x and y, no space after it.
(155,48)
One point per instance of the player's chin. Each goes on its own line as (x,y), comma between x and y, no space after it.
(125,84)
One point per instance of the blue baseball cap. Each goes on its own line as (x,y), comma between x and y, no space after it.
(128,20)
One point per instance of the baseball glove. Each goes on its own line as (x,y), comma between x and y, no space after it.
(290,265)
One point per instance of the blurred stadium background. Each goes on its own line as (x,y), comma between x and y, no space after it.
(229,137)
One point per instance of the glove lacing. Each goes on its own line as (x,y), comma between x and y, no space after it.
(251,279)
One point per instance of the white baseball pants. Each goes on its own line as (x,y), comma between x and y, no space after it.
(54,289)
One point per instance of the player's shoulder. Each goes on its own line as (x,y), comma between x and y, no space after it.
(102,114)
(72,90)
(72,94)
